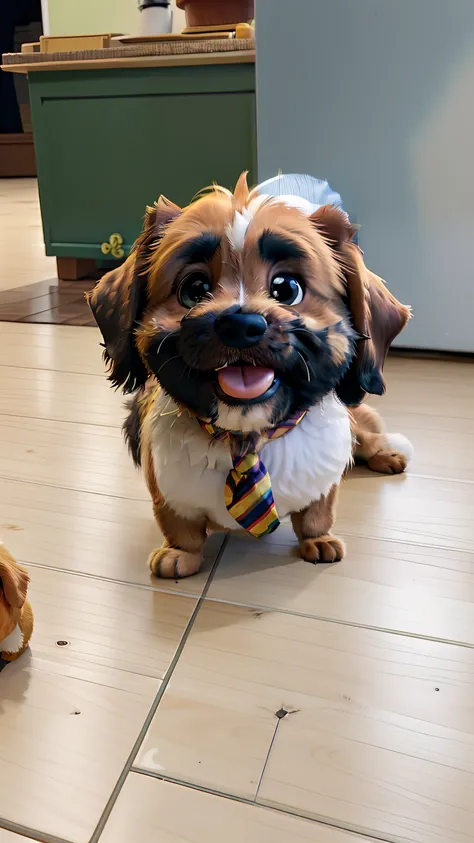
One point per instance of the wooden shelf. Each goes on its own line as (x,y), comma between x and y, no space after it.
(183,60)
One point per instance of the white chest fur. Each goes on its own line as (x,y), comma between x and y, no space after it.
(191,468)
(13,642)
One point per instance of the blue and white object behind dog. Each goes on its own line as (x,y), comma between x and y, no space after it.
(304,192)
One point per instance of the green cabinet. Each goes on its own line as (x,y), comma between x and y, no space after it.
(108,142)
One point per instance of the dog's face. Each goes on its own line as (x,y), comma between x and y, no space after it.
(246,310)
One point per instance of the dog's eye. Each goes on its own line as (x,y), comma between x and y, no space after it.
(193,289)
(286,290)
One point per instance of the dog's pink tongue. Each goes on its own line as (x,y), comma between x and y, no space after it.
(245,381)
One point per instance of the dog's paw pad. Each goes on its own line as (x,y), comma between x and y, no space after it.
(388,462)
(322,549)
(169,563)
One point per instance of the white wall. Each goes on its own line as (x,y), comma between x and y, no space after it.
(376,96)
(82,17)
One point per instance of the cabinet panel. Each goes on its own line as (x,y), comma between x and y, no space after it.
(106,150)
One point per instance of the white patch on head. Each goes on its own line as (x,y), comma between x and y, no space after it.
(13,642)
(241,293)
(304,205)
(399,442)
(238,229)
(233,418)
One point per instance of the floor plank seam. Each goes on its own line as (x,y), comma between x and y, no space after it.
(155,704)
(58,371)
(265,763)
(345,534)
(407,543)
(30,833)
(317,819)
(441,478)
(260,607)
(45,484)
(352,624)
(113,581)
(91,424)
(59,421)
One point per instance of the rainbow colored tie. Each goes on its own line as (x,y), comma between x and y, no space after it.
(248,490)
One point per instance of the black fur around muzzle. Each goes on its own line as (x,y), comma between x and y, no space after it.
(185,363)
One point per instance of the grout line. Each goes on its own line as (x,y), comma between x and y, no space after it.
(154,706)
(30,833)
(113,581)
(265,763)
(58,371)
(61,421)
(407,543)
(403,542)
(439,477)
(344,533)
(43,483)
(352,624)
(318,819)
(260,607)
(3,414)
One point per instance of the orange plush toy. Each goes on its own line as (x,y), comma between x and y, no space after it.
(16,616)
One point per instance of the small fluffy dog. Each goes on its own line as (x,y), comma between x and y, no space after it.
(247,323)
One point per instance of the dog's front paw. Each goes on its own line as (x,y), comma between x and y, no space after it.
(322,549)
(169,563)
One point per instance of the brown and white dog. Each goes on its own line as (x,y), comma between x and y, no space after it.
(244,310)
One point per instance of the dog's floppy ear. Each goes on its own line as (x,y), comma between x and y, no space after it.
(376,314)
(13,580)
(119,301)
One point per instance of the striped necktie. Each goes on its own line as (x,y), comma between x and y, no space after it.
(248,491)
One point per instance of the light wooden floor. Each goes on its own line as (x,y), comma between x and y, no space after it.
(265,700)
(22,257)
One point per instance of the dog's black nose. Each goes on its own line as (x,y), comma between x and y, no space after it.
(240,330)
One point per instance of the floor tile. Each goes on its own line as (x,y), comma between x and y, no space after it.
(90,458)
(439,389)
(59,396)
(51,301)
(19,311)
(443,446)
(400,586)
(88,533)
(62,348)
(109,628)
(64,744)
(379,733)
(431,401)
(21,235)
(70,714)
(429,511)
(149,809)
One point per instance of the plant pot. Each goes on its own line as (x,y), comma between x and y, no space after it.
(217,12)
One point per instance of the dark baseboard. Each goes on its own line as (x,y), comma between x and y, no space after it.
(430,354)
(17,156)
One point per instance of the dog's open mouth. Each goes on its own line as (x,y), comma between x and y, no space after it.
(246,384)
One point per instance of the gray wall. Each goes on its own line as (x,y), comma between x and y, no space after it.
(377,96)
